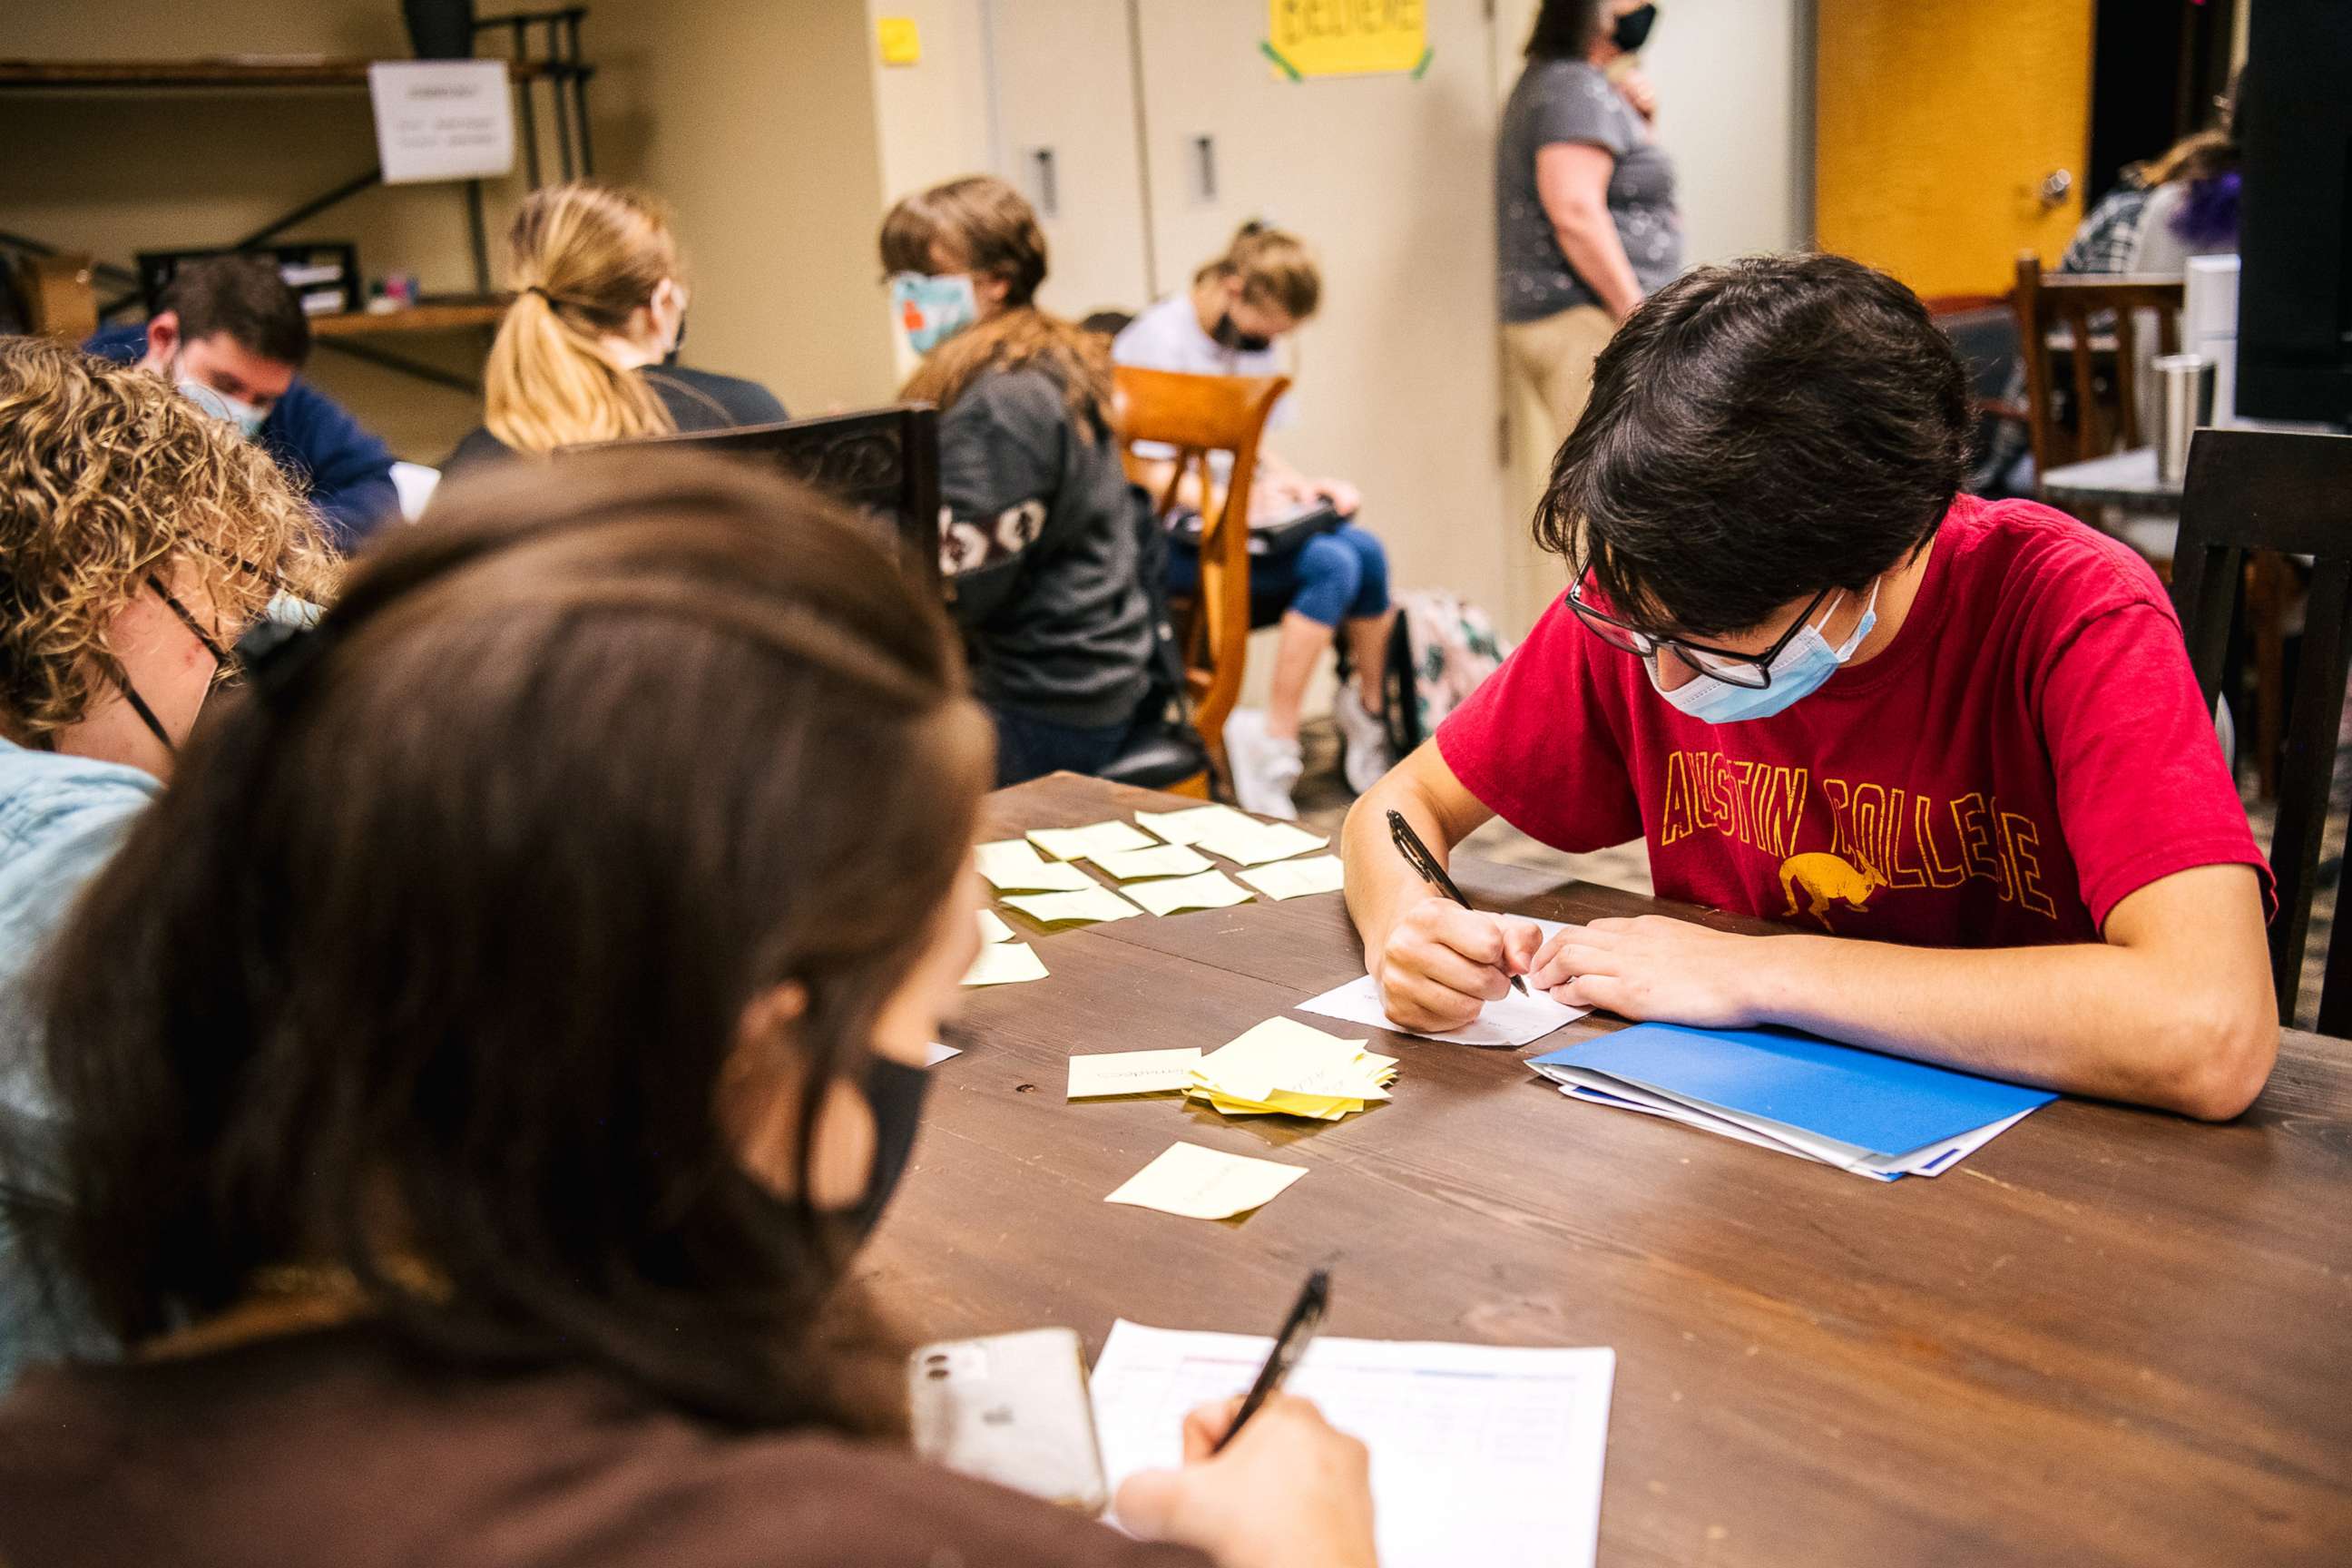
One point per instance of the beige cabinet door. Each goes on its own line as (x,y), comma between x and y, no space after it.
(1390,179)
(1064,111)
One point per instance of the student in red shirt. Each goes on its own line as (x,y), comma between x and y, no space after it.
(1954,743)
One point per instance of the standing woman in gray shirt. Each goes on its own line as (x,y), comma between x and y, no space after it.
(1585,199)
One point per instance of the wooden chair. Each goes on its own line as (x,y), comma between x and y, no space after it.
(885,461)
(2269,491)
(2106,412)
(1199,416)
(60,298)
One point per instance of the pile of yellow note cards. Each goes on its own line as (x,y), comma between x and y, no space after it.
(1286,1068)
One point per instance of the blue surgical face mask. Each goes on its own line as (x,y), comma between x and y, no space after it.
(1798,672)
(932,310)
(221,406)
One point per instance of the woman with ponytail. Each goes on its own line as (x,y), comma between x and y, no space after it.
(585,352)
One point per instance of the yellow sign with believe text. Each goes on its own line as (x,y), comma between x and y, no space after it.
(1346,38)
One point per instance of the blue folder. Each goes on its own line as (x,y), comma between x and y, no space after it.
(1885,1104)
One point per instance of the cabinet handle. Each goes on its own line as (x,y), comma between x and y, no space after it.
(1204,168)
(1049,191)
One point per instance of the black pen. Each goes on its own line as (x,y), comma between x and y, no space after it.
(1297,1330)
(1417,855)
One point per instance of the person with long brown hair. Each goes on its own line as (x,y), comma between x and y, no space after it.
(587,349)
(485,1058)
(1044,540)
(141,536)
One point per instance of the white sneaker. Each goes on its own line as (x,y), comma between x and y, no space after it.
(1265,769)
(1365,752)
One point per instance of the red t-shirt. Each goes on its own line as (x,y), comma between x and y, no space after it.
(2030,749)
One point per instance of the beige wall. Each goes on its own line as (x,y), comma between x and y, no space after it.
(756,119)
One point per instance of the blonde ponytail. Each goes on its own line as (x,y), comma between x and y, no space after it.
(583,259)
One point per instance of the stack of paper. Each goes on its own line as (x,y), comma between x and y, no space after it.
(1282,1068)
(1481,1454)
(1878,1116)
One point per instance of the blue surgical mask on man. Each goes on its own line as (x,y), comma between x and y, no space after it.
(933,309)
(222,406)
(1798,672)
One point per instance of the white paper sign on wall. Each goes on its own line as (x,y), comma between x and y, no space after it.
(442,119)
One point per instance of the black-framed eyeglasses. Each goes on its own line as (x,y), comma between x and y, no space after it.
(1752,670)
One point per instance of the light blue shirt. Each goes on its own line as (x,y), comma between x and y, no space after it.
(62,818)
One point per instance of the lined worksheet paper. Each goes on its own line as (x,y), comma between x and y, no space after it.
(1481,1454)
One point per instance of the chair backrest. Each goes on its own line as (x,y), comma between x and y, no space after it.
(60,298)
(2271,490)
(884,462)
(1198,416)
(2048,301)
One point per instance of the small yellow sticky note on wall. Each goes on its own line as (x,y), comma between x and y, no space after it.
(902,44)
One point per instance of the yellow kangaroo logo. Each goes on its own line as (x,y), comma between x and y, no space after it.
(1826,878)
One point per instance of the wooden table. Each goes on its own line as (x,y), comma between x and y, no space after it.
(2111,1336)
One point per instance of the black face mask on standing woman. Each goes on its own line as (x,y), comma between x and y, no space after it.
(1633,29)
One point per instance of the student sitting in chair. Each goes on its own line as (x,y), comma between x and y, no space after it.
(1042,544)
(489,1054)
(587,351)
(1320,574)
(230,334)
(136,531)
(1957,744)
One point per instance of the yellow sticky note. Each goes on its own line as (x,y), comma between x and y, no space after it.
(1296,879)
(1086,843)
(1249,842)
(993,929)
(1005,963)
(1131,1072)
(1186,826)
(1209,891)
(902,42)
(1097,903)
(1013,865)
(1159,861)
(1203,1183)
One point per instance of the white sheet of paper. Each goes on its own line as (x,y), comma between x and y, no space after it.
(1298,879)
(1097,903)
(1204,1184)
(1186,825)
(442,119)
(1209,891)
(1005,963)
(1085,843)
(936,1053)
(1159,861)
(1011,865)
(1481,1454)
(993,929)
(1131,1072)
(1248,842)
(1516,1020)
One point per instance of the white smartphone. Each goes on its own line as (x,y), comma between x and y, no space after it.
(1013,1409)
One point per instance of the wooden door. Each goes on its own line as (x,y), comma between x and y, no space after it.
(1950,134)
(1063,100)
(1390,177)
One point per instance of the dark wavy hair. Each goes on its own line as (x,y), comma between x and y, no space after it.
(1565,29)
(431,962)
(1759,432)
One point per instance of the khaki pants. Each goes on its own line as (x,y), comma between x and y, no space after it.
(1550,368)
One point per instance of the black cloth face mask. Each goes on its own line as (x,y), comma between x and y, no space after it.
(1231,337)
(1633,29)
(895,1091)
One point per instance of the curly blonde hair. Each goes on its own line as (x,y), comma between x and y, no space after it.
(108,475)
